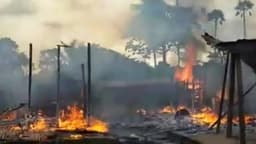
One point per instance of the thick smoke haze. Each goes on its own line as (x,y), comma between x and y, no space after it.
(46,22)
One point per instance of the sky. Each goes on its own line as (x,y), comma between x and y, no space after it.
(47,22)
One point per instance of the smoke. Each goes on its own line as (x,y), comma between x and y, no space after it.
(12,80)
(47,22)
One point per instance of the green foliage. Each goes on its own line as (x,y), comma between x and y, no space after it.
(246,6)
(217,16)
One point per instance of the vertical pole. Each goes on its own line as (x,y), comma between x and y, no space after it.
(84,100)
(240,101)
(30,75)
(231,96)
(58,85)
(89,83)
(222,94)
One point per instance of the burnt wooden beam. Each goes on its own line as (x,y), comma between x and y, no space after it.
(58,84)
(231,96)
(30,75)
(83,89)
(222,94)
(89,84)
(240,101)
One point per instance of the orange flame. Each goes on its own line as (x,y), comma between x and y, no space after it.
(168,110)
(73,119)
(40,124)
(206,116)
(186,73)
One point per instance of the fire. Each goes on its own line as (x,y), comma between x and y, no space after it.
(205,117)
(73,119)
(168,110)
(39,125)
(186,73)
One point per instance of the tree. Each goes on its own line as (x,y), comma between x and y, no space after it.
(48,59)
(159,24)
(138,50)
(151,25)
(242,8)
(217,17)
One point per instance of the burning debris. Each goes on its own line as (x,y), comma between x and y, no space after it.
(168,110)
(73,119)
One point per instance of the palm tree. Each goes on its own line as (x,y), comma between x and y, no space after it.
(242,9)
(217,17)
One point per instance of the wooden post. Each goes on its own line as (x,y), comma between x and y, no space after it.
(30,75)
(89,83)
(84,100)
(240,101)
(58,85)
(222,94)
(231,95)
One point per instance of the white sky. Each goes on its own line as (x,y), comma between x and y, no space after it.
(46,22)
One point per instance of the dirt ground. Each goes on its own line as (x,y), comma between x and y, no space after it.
(221,139)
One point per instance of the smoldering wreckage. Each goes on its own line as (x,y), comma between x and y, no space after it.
(169,124)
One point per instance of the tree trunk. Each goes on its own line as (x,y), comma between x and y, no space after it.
(244,24)
(164,54)
(154,55)
(215,27)
(215,31)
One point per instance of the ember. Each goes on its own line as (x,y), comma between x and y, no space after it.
(168,110)
(73,119)
(39,125)
(206,116)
